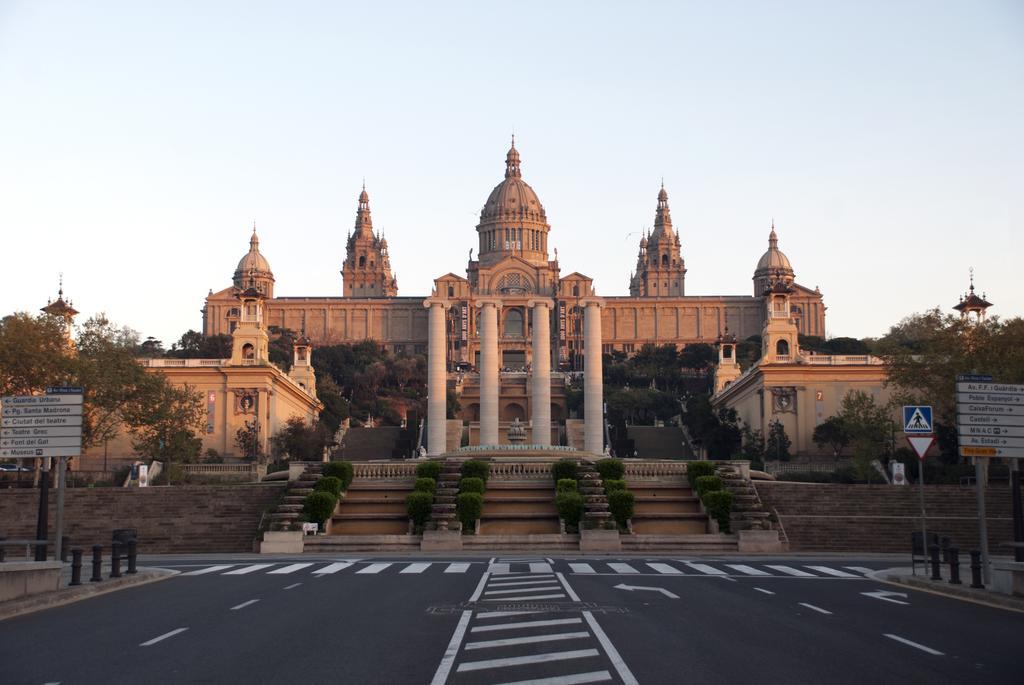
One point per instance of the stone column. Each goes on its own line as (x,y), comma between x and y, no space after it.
(437,378)
(489,377)
(541,414)
(593,383)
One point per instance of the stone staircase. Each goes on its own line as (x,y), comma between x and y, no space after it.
(289,508)
(372,508)
(652,442)
(518,508)
(442,514)
(667,507)
(595,502)
(370,444)
(748,513)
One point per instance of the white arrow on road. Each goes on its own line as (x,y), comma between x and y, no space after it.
(623,586)
(887,596)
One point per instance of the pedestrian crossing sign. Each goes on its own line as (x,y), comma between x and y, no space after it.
(917,419)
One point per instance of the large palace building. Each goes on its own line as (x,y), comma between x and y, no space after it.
(513,266)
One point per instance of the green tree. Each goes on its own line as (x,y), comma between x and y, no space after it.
(833,433)
(34,354)
(698,356)
(195,345)
(869,426)
(247,441)
(777,443)
(752,445)
(167,423)
(300,441)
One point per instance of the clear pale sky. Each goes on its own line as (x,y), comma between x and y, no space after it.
(140,140)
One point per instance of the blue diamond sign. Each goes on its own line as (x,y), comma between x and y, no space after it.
(917,419)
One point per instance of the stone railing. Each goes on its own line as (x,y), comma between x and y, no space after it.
(822,466)
(384,470)
(243,471)
(156,363)
(470,449)
(841,359)
(652,470)
(512,470)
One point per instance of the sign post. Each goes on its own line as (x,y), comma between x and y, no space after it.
(917,424)
(43,427)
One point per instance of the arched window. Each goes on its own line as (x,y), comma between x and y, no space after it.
(514,327)
(362,260)
(248,351)
(664,260)
(575,291)
(451,291)
(782,348)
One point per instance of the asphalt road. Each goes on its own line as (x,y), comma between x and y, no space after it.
(516,619)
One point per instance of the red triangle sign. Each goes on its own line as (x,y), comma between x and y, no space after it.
(921,444)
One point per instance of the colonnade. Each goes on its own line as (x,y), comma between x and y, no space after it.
(490,380)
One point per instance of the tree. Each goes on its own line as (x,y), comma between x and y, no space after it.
(34,354)
(166,425)
(300,441)
(195,345)
(777,444)
(752,446)
(697,356)
(247,440)
(868,425)
(832,432)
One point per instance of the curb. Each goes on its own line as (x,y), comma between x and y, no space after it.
(69,595)
(901,577)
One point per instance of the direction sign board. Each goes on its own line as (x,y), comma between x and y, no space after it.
(42,420)
(1007,452)
(993,398)
(50,425)
(42,442)
(39,400)
(74,390)
(37,452)
(993,431)
(40,431)
(990,441)
(917,419)
(990,417)
(40,410)
(1007,419)
(1002,388)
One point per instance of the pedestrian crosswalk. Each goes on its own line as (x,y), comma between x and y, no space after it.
(510,576)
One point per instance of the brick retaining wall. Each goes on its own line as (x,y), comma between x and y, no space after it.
(879,518)
(194,518)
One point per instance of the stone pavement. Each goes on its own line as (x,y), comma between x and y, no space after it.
(68,594)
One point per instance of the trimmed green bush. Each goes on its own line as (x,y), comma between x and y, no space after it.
(566,485)
(570,507)
(425,485)
(621,505)
(696,469)
(610,469)
(564,468)
(328,484)
(475,468)
(342,470)
(719,506)
(614,485)
(707,484)
(469,506)
(418,505)
(428,469)
(476,485)
(319,506)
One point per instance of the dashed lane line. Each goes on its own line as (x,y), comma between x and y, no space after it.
(163,637)
(814,608)
(291,568)
(292,586)
(524,624)
(915,645)
(525,660)
(528,640)
(767,592)
(244,604)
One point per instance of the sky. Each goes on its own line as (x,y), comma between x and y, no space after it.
(140,142)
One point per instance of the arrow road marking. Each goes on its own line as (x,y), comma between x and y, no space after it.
(887,596)
(630,588)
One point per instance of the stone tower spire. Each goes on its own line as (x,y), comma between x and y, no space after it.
(367,268)
(660,269)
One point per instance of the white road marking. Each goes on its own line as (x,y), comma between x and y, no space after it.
(581,568)
(518,583)
(630,588)
(502,614)
(524,624)
(292,586)
(209,569)
(445,667)
(749,570)
(833,572)
(374,568)
(704,568)
(666,569)
(498,569)
(162,637)
(333,568)
(247,569)
(568,590)
(792,571)
(418,567)
(623,568)
(480,586)
(523,660)
(574,679)
(514,590)
(528,640)
(905,641)
(859,569)
(244,604)
(814,608)
(767,592)
(540,568)
(524,598)
(887,596)
(613,654)
(289,569)
(457,568)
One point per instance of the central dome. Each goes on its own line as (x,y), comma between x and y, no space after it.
(512,199)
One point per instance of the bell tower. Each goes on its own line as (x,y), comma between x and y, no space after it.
(779,337)
(302,365)
(660,270)
(250,343)
(728,368)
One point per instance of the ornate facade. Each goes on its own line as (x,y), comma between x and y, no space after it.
(513,265)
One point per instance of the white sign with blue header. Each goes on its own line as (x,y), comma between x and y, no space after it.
(917,419)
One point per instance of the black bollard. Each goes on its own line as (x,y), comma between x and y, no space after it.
(954,566)
(76,566)
(131,556)
(97,564)
(944,546)
(976,569)
(115,559)
(933,552)
(65,542)
(3,550)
